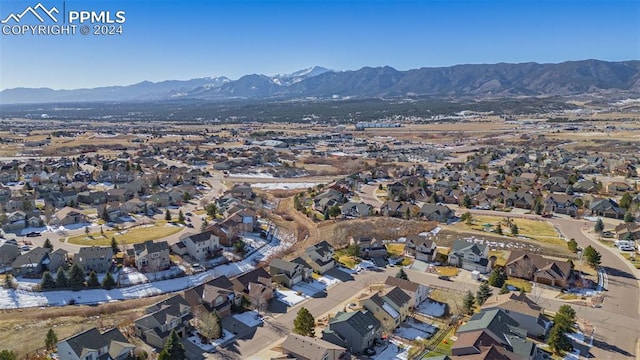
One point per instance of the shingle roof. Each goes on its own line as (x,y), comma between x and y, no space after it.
(397,296)
(402,283)
(201,237)
(310,348)
(360,321)
(34,256)
(151,247)
(92,339)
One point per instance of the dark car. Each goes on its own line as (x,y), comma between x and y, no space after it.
(444,277)
(370,352)
(189,214)
(33,234)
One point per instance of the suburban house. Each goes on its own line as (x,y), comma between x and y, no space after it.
(32,263)
(216,295)
(525,311)
(307,348)
(561,204)
(470,256)
(92,344)
(287,273)
(369,247)
(200,246)
(320,257)
(421,247)
(628,231)
(536,268)
(67,216)
(606,208)
(435,212)
(151,256)
(356,210)
(390,307)
(155,327)
(57,258)
(355,331)
(94,258)
(417,292)
(494,331)
(254,284)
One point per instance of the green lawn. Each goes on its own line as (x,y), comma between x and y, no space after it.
(347,260)
(131,236)
(539,230)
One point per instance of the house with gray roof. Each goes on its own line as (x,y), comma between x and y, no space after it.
(307,348)
(470,256)
(355,331)
(94,258)
(320,257)
(169,315)
(421,247)
(287,273)
(32,263)
(152,256)
(434,212)
(92,344)
(200,246)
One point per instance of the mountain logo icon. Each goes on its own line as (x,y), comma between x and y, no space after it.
(39,11)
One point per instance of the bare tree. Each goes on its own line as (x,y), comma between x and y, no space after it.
(208,324)
(258,301)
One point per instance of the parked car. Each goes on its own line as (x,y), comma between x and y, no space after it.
(189,214)
(33,234)
(444,277)
(370,352)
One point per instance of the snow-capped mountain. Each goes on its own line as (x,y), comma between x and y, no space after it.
(288,79)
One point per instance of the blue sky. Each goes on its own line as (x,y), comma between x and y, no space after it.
(188,39)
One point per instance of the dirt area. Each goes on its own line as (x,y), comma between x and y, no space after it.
(23,330)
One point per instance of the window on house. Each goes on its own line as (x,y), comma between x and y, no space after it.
(155,255)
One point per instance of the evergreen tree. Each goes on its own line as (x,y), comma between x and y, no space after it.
(108,282)
(47,244)
(402,275)
(599,226)
(499,229)
(186,196)
(335,211)
(537,208)
(7,355)
(466,202)
(467,303)
(496,278)
(628,217)
(114,245)
(180,217)
(558,340)
(61,279)
(212,210)
(484,292)
(504,289)
(105,215)
(50,340)
(93,280)
(514,229)
(572,245)
(592,256)
(304,323)
(47,281)
(8,283)
(625,201)
(173,348)
(167,215)
(76,278)
(204,225)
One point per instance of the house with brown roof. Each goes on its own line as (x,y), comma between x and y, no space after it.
(216,295)
(254,284)
(390,307)
(538,269)
(369,247)
(67,216)
(307,348)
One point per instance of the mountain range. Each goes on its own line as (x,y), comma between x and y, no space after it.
(478,80)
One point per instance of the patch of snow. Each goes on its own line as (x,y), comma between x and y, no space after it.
(253,175)
(249,318)
(432,308)
(395,351)
(410,333)
(211,346)
(284,186)
(309,288)
(290,297)
(391,311)
(328,280)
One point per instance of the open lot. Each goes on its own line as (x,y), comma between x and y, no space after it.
(129,236)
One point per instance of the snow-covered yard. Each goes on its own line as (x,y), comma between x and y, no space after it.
(309,288)
(249,318)
(410,333)
(211,346)
(428,329)
(395,351)
(290,297)
(131,276)
(328,280)
(432,308)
